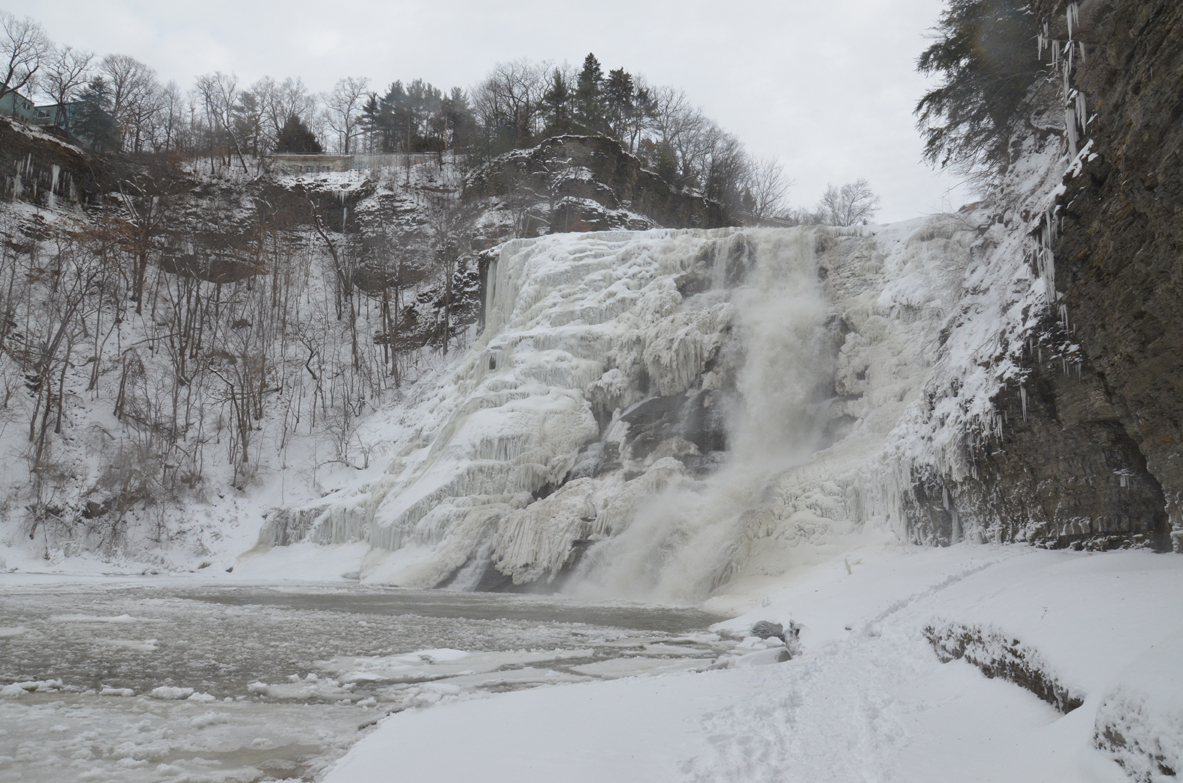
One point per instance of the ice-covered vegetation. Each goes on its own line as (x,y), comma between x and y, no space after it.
(182,340)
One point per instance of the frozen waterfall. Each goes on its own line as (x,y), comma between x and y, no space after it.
(681,540)
(656,414)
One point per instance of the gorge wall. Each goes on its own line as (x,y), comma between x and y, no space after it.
(1086,448)
(1120,250)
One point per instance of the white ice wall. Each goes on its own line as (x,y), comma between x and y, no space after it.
(574,320)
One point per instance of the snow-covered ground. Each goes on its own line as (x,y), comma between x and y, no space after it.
(208,679)
(867,698)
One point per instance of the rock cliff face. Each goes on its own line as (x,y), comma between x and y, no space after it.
(1120,251)
(588,183)
(38,166)
(1090,450)
(1064,472)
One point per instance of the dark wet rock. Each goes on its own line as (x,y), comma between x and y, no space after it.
(1065,473)
(1119,255)
(765,629)
(1097,461)
(696,418)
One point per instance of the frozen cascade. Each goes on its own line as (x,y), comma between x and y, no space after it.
(680,540)
(559,432)
(55,174)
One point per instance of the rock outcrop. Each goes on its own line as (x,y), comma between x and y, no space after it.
(1120,252)
(41,166)
(1088,448)
(588,183)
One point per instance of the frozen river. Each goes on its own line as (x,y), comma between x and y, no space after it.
(132,681)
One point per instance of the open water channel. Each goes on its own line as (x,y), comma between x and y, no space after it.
(128,680)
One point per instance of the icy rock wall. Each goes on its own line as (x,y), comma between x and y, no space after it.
(684,408)
(1120,267)
(1054,415)
(41,169)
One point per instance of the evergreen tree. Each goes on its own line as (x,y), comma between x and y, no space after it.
(93,121)
(459,122)
(589,98)
(618,102)
(986,55)
(296,138)
(556,103)
(371,125)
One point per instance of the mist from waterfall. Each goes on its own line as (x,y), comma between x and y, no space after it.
(681,540)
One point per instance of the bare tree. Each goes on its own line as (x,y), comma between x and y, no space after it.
(65,74)
(449,223)
(768,186)
(170,121)
(852,204)
(723,166)
(219,95)
(24,48)
(680,128)
(134,97)
(278,102)
(509,101)
(343,108)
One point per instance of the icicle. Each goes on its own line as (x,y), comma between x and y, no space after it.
(1064,316)
(1023,397)
(1070,125)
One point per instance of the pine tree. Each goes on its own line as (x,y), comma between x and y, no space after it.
(589,98)
(370,123)
(985,53)
(556,103)
(297,139)
(618,101)
(93,122)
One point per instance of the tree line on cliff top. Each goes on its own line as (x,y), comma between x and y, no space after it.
(117,103)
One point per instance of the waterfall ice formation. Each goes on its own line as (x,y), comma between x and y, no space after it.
(658,414)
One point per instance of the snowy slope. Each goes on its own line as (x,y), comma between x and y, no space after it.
(867,698)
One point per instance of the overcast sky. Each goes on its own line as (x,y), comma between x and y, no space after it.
(826,86)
